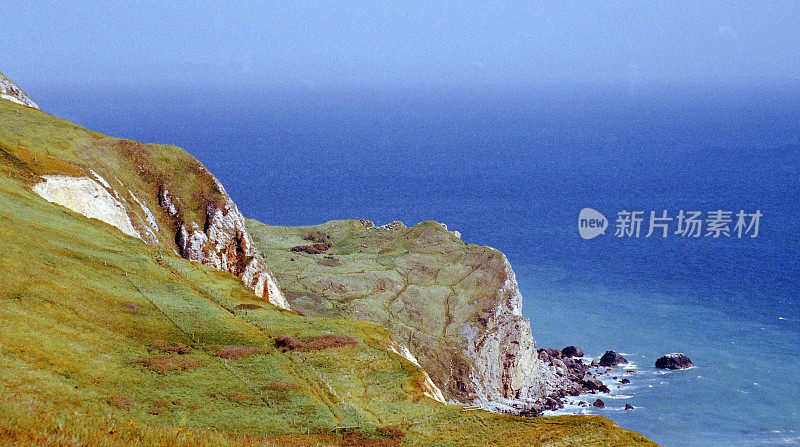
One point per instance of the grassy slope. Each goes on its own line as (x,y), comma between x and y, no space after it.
(80,302)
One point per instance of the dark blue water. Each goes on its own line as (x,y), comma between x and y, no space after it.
(512,169)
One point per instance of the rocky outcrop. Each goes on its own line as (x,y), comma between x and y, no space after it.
(11,92)
(503,353)
(676,360)
(223,242)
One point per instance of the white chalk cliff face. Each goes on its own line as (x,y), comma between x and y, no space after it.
(225,244)
(11,92)
(88,197)
(428,387)
(506,360)
(508,375)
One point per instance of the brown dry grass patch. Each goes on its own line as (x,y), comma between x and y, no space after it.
(239,398)
(357,439)
(159,407)
(237,352)
(391,431)
(169,348)
(313,249)
(133,307)
(287,343)
(120,401)
(163,364)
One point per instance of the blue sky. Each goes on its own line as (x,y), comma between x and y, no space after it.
(398,43)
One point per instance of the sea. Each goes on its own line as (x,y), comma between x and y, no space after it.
(512,167)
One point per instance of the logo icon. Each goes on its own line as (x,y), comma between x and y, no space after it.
(591,223)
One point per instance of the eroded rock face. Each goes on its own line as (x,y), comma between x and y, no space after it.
(11,92)
(223,243)
(504,354)
(428,387)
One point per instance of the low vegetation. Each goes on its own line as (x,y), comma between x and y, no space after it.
(327,341)
(237,352)
(163,364)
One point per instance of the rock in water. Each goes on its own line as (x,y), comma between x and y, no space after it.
(612,358)
(572,351)
(628,407)
(599,404)
(676,360)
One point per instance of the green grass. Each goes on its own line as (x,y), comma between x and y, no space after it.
(81,304)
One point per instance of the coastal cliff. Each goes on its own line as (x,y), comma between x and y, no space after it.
(456,305)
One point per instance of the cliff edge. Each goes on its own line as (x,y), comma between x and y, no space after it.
(456,305)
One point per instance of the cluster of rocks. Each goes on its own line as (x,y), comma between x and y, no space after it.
(581,376)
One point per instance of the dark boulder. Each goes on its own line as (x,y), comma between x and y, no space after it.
(628,407)
(676,360)
(591,383)
(599,404)
(624,380)
(552,352)
(611,358)
(572,351)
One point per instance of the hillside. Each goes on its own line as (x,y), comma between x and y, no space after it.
(163,329)
(456,305)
